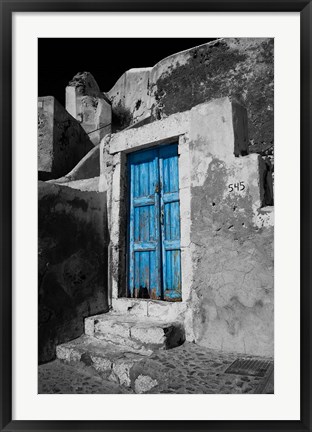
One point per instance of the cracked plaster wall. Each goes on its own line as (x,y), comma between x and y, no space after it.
(232,295)
(231,301)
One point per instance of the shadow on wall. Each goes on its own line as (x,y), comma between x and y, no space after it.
(62,142)
(72,263)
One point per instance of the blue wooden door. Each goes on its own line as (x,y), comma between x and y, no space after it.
(154,224)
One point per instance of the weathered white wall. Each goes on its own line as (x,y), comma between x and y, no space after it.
(231,302)
(241,68)
(87,104)
(226,236)
(130,97)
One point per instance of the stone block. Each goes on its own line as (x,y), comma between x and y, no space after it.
(121,369)
(166,311)
(161,335)
(137,333)
(144,383)
(112,327)
(150,335)
(130,306)
(89,326)
(67,353)
(109,360)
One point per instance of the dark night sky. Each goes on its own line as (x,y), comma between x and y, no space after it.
(107,59)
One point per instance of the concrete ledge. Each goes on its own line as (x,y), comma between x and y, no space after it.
(157,132)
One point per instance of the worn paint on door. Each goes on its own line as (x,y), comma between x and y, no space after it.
(154,224)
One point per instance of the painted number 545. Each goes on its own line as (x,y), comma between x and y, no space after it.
(238,186)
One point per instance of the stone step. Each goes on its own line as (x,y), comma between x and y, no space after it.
(108,360)
(138,334)
(112,362)
(163,310)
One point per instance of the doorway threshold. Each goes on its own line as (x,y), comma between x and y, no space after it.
(150,308)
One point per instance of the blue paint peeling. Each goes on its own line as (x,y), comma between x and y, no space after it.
(154,224)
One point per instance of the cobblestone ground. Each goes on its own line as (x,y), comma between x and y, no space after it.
(58,377)
(195,369)
(186,369)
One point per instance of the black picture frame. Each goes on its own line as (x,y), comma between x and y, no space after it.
(7,9)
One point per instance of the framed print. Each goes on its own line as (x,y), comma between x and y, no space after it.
(155,216)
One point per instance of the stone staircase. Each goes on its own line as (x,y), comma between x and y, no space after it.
(117,345)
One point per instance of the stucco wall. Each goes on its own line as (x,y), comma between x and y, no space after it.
(232,253)
(130,97)
(231,237)
(62,142)
(86,103)
(72,262)
(238,67)
(226,230)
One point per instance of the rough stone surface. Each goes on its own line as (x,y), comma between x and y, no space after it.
(62,142)
(140,333)
(129,97)
(59,378)
(144,383)
(242,68)
(188,369)
(72,263)
(111,360)
(86,103)
(160,310)
(232,252)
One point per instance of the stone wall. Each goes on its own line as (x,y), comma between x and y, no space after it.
(62,142)
(242,68)
(72,262)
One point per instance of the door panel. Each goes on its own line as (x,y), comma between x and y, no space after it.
(154,230)
(170,222)
(144,250)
